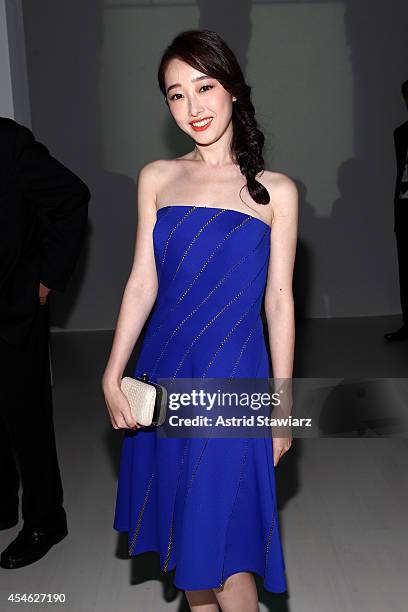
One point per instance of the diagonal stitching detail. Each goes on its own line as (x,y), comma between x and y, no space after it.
(243,460)
(207,325)
(246,342)
(179,222)
(195,310)
(231,331)
(192,283)
(170,543)
(141,512)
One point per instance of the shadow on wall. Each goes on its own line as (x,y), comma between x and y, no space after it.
(63,73)
(351,258)
(351,265)
(362,247)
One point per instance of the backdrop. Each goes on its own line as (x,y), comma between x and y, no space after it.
(326,82)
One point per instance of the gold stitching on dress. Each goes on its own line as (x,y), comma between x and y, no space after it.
(179,222)
(234,326)
(163,321)
(187,492)
(196,467)
(194,239)
(244,456)
(211,321)
(170,544)
(268,543)
(243,349)
(139,520)
(186,291)
(212,255)
(193,312)
(217,350)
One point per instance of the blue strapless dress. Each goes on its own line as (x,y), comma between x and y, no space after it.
(207,506)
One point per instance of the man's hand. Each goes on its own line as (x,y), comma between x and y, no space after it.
(43,292)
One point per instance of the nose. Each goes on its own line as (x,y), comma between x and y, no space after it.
(195,106)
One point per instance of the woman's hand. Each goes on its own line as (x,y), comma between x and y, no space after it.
(280,447)
(118,407)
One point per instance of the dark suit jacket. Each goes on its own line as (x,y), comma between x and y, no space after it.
(401,146)
(43,215)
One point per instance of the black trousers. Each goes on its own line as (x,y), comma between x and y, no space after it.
(27,439)
(402,252)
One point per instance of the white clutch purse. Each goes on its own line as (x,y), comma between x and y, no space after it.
(147,400)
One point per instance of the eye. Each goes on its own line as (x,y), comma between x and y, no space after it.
(173,97)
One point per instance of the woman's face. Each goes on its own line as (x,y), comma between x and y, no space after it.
(201,107)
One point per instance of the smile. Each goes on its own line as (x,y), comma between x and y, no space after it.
(201,125)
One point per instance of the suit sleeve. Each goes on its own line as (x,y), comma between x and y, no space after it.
(396,143)
(60,200)
(396,139)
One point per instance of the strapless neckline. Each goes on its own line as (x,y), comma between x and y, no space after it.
(232,210)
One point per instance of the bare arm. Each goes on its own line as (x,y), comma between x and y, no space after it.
(138,299)
(279,306)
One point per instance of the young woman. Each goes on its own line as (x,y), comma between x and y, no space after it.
(216,234)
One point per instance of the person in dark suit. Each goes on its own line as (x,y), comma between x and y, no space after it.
(401,218)
(43,217)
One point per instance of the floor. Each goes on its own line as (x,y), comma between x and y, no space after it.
(342,500)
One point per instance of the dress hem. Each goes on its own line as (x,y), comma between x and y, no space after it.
(178,585)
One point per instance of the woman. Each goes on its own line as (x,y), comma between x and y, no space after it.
(216,232)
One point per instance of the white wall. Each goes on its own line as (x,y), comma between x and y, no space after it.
(326,84)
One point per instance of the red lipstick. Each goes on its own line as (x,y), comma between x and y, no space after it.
(201,128)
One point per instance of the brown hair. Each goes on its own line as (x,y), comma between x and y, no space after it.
(207,52)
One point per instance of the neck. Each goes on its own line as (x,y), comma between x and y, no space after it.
(215,154)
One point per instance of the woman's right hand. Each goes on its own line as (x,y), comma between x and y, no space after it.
(118,407)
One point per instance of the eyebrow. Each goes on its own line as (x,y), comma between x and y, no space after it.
(200,78)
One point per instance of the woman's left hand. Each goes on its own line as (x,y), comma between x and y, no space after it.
(280,447)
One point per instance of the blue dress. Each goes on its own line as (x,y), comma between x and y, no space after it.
(206,505)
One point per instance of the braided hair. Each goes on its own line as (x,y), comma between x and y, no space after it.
(207,52)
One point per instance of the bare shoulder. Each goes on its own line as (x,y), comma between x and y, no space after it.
(155,174)
(282,190)
(279,185)
(152,171)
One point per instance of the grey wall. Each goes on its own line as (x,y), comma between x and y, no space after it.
(326,84)
(6,93)
(14,99)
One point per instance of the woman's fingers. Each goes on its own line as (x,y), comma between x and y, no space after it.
(126,413)
(120,412)
(280,447)
(128,419)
